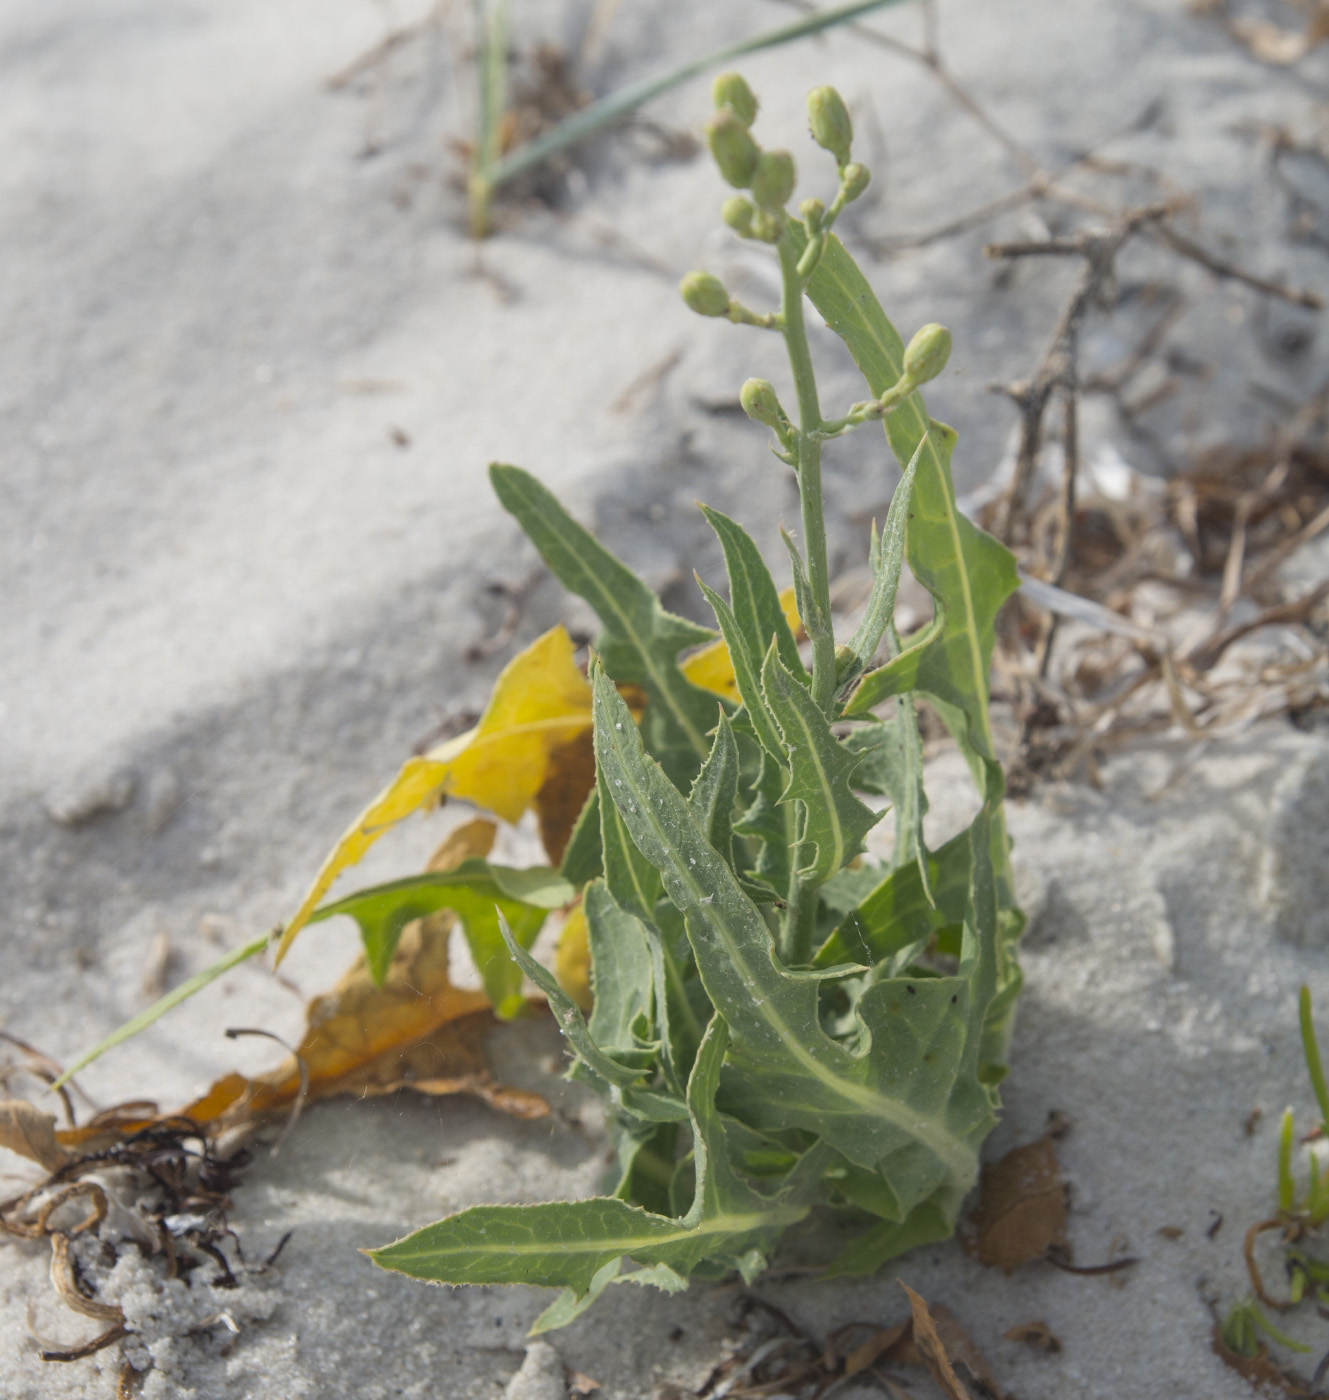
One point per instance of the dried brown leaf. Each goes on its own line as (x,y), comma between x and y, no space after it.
(31,1133)
(1037,1335)
(877,1346)
(932,1350)
(1021,1210)
(569,779)
(66,1286)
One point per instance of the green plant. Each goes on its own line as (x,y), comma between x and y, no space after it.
(492,168)
(777,1025)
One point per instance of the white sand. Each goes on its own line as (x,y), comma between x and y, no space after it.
(234,603)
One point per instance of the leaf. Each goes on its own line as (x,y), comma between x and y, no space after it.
(762,613)
(914,1105)
(898,912)
(715,791)
(1021,1208)
(885,556)
(641,641)
(933,1351)
(967,571)
(928,1223)
(569,781)
(745,665)
(835,822)
(1036,1334)
(475,891)
(572,958)
(539,704)
(569,1244)
(623,973)
(417,1031)
(891,763)
(30,1133)
(712,668)
(632,880)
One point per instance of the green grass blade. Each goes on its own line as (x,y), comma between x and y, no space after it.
(641,641)
(617,105)
(1311,1047)
(169,1002)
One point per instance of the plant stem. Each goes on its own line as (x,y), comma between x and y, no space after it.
(809,475)
(1311,1046)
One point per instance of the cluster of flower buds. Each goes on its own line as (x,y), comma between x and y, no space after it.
(769,175)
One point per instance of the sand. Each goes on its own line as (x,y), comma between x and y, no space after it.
(253,373)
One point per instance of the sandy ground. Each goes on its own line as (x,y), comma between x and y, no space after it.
(252,374)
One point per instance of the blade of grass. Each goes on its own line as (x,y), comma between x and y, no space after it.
(1312,1048)
(169,1002)
(616,105)
(491,28)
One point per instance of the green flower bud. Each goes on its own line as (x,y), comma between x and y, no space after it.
(731,90)
(829,119)
(760,404)
(734,149)
(926,354)
(854,180)
(704,294)
(813,212)
(738,212)
(768,225)
(773,179)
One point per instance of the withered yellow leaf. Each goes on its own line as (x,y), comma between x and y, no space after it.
(711,667)
(31,1133)
(572,958)
(540,704)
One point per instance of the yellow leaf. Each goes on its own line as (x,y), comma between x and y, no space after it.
(711,667)
(540,703)
(572,959)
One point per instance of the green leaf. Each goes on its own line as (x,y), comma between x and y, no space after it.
(804,598)
(906,1104)
(835,821)
(473,891)
(746,664)
(887,1239)
(899,913)
(582,857)
(891,764)
(632,880)
(771,826)
(640,642)
(885,556)
(968,573)
(753,596)
(715,791)
(569,1244)
(622,975)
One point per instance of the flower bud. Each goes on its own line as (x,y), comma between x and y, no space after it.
(773,179)
(760,404)
(734,149)
(829,119)
(737,212)
(813,212)
(704,294)
(926,354)
(854,180)
(768,225)
(730,90)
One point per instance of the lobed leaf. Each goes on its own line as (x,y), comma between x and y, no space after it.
(569,1244)
(834,821)
(908,1103)
(641,641)
(474,891)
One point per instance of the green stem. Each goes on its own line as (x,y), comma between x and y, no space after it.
(809,476)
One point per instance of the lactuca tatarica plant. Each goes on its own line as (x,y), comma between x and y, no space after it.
(778,1024)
